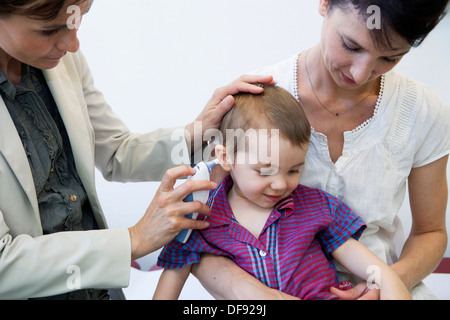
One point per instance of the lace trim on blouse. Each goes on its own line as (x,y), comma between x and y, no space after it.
(362,125)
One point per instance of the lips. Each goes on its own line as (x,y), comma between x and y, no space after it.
(273,199)
(347,79)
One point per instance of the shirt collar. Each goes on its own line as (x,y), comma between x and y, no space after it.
(286,205)
(7,88)
(221,213)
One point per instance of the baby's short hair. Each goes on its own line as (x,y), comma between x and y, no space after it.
(275,108)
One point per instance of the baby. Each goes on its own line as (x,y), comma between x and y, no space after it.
(283,233)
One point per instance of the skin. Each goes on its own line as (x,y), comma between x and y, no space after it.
(38,43)
(255,192)
(345,67)
(42,44)
(343,73)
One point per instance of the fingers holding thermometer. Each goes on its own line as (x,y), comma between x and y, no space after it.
(166,215)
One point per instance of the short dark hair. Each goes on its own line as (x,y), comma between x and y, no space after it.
(38,9)
(411,19)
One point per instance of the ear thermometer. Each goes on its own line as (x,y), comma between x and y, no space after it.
(202,172)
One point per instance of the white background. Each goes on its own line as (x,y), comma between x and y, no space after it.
(159,61)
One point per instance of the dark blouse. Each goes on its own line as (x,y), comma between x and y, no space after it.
(63,202)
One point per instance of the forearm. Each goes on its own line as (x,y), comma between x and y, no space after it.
(61,260)
(427,241)
(171,283)
(141,157)
(225,280)
(420,256)
(363,263)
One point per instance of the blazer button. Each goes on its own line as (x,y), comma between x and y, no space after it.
(73,198)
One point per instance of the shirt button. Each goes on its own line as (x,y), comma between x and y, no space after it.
(262,253)
(73,198)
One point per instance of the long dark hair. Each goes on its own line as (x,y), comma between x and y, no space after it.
(37,9)
(411,19)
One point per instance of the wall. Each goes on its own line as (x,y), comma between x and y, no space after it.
(158,62)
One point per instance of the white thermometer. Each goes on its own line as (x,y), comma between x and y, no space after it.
(202,172)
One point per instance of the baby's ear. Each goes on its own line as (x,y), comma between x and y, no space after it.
(221,154)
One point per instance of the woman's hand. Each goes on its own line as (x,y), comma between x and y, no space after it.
(166,215)
(359,292)
(221,102)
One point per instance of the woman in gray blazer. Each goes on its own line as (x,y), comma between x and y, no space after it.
(55,128)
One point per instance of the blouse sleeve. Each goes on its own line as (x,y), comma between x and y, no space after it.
(432,130)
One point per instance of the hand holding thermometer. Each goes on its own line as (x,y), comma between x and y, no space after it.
(202,172)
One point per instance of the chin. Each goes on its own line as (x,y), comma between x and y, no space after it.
(45,63)
(50,65)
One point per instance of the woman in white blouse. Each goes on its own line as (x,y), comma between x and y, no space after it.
(374,131)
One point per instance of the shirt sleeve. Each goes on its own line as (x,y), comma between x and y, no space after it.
(176,255)
(344,223)
(432,130)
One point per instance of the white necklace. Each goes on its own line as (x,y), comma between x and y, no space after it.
(337,114)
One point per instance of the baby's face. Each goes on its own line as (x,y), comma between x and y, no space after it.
(269,179)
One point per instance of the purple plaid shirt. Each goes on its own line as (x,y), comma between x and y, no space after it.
(292,253)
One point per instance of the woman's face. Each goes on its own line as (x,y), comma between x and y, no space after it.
(349,52)
(40,43)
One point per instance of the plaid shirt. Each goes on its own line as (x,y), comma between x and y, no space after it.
(292,253)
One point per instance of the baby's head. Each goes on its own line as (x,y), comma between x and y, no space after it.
(265,140)
(275,112)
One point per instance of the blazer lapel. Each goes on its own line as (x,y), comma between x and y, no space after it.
(11,148)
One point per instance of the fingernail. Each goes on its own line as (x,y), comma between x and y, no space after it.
(229,100)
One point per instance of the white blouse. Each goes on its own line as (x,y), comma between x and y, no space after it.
(409,128)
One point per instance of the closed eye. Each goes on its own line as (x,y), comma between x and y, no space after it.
(49,33)
(349,49)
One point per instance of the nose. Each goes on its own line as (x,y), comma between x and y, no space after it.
(69,41)
(362,70)
(278,183)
